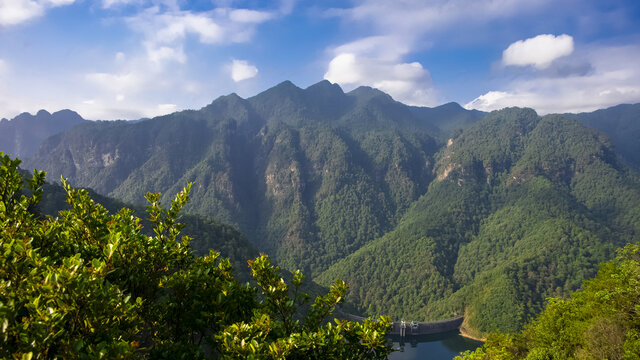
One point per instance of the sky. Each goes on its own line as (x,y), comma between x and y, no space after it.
(128,59)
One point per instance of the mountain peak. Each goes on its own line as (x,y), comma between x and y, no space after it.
(43,113)
(67,116)
(366,93)
(451,105)
(325,85)
(233,96)
(325,89)
(286,85)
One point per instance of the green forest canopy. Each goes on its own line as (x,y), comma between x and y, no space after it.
(600,322)
(91,285)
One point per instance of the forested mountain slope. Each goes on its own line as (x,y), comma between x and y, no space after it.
(309,175)
(600,322)
(622,124)
(22,135)
(523,208)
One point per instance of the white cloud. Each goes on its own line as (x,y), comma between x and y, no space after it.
(377,62)
(615,79)
(111,3)
(242,70)
(159,54)
(155,72)
(344,69)
(539,51)
(249,16)
(59,2)
(412,17)
(406,82)
(13,12)
(165,31)
(383,61)
(117,82)
(167,108)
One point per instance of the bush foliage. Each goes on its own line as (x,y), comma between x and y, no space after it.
(89,284)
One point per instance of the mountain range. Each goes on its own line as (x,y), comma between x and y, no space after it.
(425,212)
(22,135)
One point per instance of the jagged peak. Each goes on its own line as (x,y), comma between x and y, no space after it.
(233,96)
(285,89)
(325,86)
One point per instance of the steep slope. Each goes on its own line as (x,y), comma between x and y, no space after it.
(622,124)
(309,175)
(523,208)
(22,135)
(600,322)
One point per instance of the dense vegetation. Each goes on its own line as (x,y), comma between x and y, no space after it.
(600,322)
(308,175)
(87,284)
(524,208)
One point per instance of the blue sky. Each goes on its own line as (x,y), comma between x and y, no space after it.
(126,59)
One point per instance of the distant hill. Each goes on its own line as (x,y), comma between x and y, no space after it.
(22,135)
(622,124)
(448,118)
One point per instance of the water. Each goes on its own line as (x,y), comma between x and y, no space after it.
(444,346)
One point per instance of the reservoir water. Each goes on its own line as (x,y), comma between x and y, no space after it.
(443,346)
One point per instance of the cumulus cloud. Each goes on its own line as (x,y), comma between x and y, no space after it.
(165,29)
(383,61)
(539,51)
(155,72)
(242,70)
(249,16)
(13,12)
(117,82)
(406,82)
(614,79)
(363,63)
(159,54)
